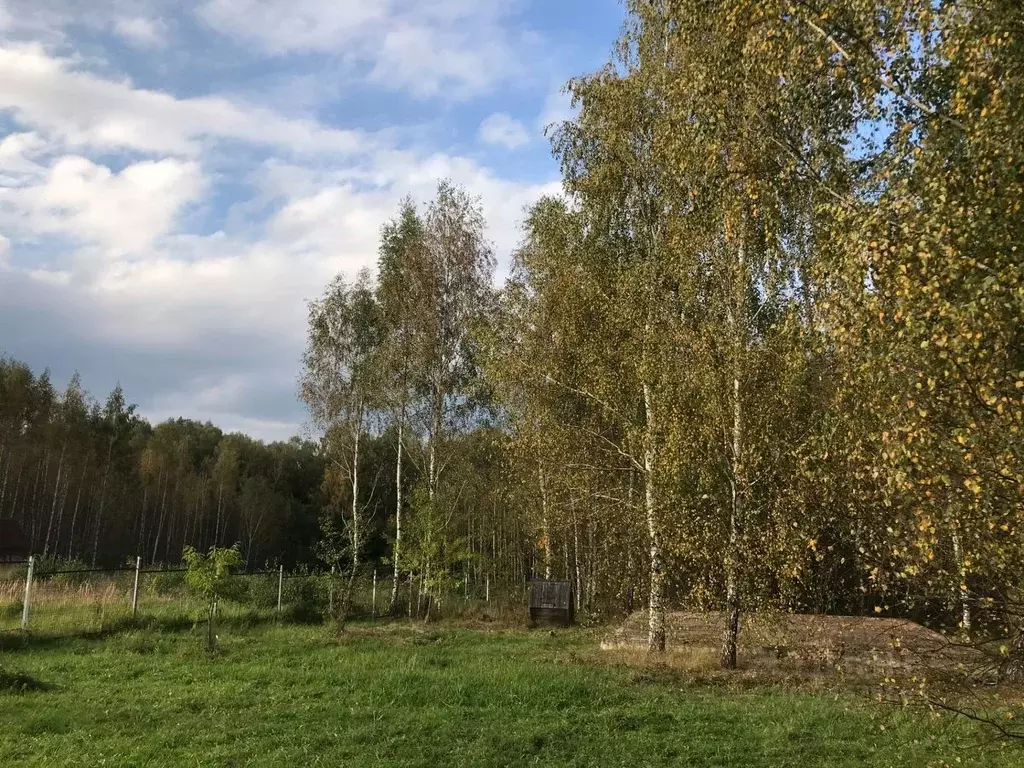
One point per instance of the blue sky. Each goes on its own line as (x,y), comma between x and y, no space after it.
(178,178)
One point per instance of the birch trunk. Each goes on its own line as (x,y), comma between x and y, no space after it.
(160,520)
(398,514)
(432,465)
(347,596)
(33,508)
(3,488)
(656,607)
(17,490)
(220,501)
(576,553)
(56,495)
(74,515)
(732,594)
(545,529)
(103,499)
(739,481)
(962,592)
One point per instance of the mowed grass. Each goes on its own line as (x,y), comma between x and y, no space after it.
(400,695)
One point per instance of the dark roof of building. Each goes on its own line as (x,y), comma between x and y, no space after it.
(13,541)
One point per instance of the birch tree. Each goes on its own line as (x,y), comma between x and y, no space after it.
(400,257)
(338,388)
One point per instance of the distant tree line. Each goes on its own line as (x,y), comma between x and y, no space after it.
(96,482)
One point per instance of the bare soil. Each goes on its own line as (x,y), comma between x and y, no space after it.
(802,641)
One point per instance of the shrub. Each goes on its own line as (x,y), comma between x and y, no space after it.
(165,583)
(209,576)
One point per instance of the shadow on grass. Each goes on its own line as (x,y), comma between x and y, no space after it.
(18,682)
(17,640)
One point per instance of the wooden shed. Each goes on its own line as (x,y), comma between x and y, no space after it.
(13,541)
(551,603)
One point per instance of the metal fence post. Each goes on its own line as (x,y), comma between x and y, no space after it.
(280,585)
(330,594)
(28,594)
(135,588)
(373,603)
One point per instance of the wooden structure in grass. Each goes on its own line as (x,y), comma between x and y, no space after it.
(551,603)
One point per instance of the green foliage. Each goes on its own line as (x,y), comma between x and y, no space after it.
(433,553)
(165,582)
(209,577)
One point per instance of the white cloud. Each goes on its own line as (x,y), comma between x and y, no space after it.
(122,212)
(295,25)
(81,109)
(135,177)
(18,158)
(451,48)
(142,32)
(504,131)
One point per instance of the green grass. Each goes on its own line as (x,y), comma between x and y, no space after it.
(298,696)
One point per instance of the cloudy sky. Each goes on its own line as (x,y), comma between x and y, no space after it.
(177,177)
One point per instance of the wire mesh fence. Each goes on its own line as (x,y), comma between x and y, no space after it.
(46,601)
(59,598)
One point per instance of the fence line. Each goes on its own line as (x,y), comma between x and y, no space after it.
(84,600)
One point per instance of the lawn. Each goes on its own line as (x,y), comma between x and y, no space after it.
(400,695)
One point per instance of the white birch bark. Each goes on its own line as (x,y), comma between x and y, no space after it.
(656,604)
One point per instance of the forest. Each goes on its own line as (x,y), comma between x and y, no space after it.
(765,351)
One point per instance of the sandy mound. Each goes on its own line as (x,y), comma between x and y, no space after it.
(795,637)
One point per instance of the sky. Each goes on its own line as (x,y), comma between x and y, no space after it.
(179,177)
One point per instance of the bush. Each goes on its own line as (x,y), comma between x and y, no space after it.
(44,568)
(307,599)
(258,591)
(164,583)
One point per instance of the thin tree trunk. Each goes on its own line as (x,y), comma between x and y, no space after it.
(220,499)
(656,606)
(432,464)
(60,515)
(963,593)
(103,500)
(545,529)
(56,494)
(74,516)
(735,522)
(140,543)
(33,509)
(739,481)
(576,555)
(17,489)
(347,597)
(3,488)
(160,519)
(398,514)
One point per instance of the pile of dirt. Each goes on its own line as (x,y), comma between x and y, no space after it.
(794,637)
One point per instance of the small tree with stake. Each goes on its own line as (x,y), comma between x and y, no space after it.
(208,576)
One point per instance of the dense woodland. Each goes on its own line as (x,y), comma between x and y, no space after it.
(95,482)
(767,350)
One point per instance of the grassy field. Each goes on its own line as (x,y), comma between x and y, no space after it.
(401,695)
